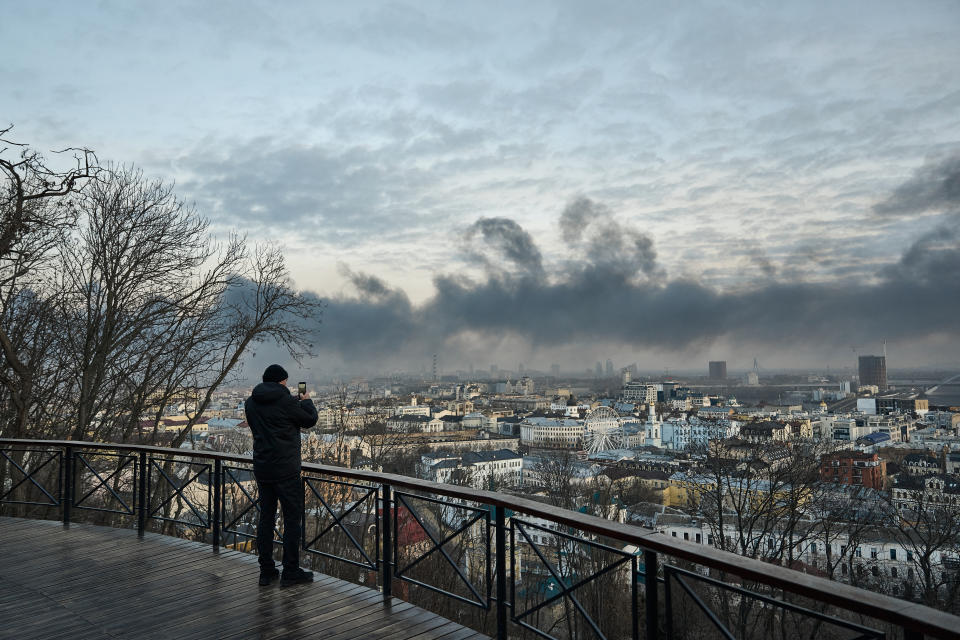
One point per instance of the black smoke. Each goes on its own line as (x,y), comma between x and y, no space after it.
(933,187)
(590,227)
(611,290)
(509,240)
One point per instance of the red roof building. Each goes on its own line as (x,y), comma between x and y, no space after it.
(854,468)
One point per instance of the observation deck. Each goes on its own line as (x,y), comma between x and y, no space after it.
(89,581)
(119,540)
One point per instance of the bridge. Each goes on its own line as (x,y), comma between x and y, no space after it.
(120,540)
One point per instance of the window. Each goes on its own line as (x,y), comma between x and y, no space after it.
(909,556)
(910,573)
(893,572)
(770,543)
(843,569)
(873,552)
(843,549)
(893,555)
(674,534)
(874,570)
(698,538)
(686,535)
(710,538)
(813,548)
(858,553)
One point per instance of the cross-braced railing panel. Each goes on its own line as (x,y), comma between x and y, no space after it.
(698,606)
(570,584)
(538,569)
(105,482)
(179,491)
(342,516)
(437,546)
(29,478)
(241,504)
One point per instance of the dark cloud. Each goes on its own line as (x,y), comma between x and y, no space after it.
(933,257)
(577,215)
(366,284)
(592,300)
(510,241)
(609,244)
(933,187)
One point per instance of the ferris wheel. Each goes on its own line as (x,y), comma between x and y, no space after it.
(603,430)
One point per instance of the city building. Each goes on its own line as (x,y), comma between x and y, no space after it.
(564,433)
(478,469)
(902,403)
(854,468)
(679,433)
(718,369)
(873,371)
(766,431)
(639,392)
(415,424)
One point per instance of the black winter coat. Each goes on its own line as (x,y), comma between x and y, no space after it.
(275,418)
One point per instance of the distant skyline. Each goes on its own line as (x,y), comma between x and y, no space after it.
(546,182)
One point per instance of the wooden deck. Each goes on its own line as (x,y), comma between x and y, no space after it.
(98,582)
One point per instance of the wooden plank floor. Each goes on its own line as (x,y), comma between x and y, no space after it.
(98,582)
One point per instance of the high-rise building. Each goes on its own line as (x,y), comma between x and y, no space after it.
(609,368)
(718,369)
(599,369)
(873,371)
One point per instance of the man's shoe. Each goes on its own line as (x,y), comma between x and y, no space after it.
(297,576)
(267,576)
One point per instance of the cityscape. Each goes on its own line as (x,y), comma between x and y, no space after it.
(619,320)
(660,450)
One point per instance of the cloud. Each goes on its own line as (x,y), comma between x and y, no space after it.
(510,240)
(609,244)
(933,187)
(592,300)
(366,284)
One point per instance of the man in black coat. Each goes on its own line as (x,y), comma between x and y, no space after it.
(276,418)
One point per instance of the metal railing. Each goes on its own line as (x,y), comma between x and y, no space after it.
(521,560)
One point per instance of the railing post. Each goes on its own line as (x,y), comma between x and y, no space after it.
(142,494)
(651,597)
(501,568)
(387,537)
(217,499)
(67,483)
(667,605)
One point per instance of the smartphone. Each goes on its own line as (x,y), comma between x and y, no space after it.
(302,388)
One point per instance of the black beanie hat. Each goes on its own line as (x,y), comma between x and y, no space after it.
(275,373)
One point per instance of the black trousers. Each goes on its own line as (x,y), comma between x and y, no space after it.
(290,494)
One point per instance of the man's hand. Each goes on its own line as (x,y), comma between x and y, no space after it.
(303,396)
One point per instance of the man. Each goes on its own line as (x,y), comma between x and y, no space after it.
(275,418)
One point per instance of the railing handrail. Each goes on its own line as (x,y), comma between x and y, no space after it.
(899,612)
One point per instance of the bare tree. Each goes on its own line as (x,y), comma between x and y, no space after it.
(926,523)
(118,302)
(555,474)
(37,207)
(143,281)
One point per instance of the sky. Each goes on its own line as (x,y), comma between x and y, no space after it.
(544,182)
